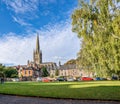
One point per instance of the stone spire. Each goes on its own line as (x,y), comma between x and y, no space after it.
(37,44)
(37,55)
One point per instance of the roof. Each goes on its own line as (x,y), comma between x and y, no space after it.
(47,63)
(65,67)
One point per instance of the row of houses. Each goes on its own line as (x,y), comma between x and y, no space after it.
(62,70)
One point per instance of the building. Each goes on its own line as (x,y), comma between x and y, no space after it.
(33,68)
(37,54)
(71,70)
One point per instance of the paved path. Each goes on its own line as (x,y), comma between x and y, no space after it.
(7,99)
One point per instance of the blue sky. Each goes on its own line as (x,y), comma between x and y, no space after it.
(20,20)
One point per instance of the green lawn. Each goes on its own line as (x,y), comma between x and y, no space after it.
(105,90)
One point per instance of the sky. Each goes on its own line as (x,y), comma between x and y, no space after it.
(21,20)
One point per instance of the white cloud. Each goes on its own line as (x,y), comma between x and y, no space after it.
(15,49)
(57,43)
(46,2)
(21,21)
(22,6)
(24,10)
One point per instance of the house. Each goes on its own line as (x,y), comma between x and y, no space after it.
(69,70)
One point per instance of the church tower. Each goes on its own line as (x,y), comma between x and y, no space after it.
(37,54)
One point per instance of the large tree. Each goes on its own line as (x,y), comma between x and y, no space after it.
(97,22)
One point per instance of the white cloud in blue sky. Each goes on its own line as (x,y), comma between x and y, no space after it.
(22,20)
(57,44)
(22,6)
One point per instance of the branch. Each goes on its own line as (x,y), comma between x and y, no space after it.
(115,36)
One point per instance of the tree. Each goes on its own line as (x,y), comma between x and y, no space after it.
(45,73)
(2,74)
(97,22)
(10,73)
(72,61)
(56,72)
(2,68)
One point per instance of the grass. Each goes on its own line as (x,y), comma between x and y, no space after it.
(102,90)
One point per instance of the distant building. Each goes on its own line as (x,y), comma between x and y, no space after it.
(33,68)
(71,70)
(37,54)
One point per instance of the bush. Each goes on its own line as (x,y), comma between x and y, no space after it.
(14,76)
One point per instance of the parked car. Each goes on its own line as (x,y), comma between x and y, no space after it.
(70,79)
(61,79)
(97,78)
(78,79)
(52,79)
(15,79)
(86,79)
(103,78)
(38,79)
(114,78)
(45,80)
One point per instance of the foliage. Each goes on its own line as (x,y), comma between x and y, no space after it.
(14,76)
(56,72)
(98,24)
(45,73)
(2,74)
(8,72)
(2,68)
(72,61)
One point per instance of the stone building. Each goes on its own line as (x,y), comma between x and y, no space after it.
(71,70)
(37,54)
(33,68)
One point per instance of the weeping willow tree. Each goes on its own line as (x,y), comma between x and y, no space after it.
(97,23)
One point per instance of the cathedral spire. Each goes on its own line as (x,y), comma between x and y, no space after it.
(37,44)
(37,54)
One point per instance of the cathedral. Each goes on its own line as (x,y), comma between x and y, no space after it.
(33,68)
(37,54)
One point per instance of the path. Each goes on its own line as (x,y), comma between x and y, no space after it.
(8,99)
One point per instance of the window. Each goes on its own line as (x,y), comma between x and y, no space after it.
(29,72)
(25,72)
